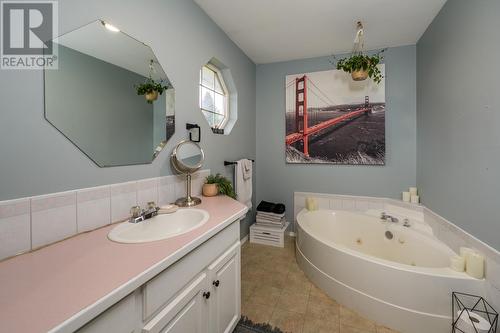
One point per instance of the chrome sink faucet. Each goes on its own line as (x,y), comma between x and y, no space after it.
(388,218)
(139,215)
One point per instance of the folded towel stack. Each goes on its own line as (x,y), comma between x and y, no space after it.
(270,214)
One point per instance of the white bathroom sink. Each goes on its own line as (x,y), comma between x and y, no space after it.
(160,227)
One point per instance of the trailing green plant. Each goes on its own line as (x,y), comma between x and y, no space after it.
(150,86)
(360,61)
(223,184)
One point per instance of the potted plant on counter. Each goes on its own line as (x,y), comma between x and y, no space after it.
(218,184)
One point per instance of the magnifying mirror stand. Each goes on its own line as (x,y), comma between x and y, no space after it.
(188,201)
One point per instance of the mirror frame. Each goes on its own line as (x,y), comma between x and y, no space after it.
(179,166)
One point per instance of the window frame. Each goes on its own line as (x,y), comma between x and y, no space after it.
(217,76)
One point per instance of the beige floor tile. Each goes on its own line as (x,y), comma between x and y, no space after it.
(294,267)
(278,281)
(247,289)
(350,329)
(287,321)
(265,295)
(383,329)
(276,290)
(320,326)
(298,282)
(323,311)
(352,319)
(318,296)
(257,313)
(292,301)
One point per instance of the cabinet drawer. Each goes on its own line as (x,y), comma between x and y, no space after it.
(159,290)
(121,317)
(186,313)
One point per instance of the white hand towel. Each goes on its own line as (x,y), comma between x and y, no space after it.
(247,169)
(243,177)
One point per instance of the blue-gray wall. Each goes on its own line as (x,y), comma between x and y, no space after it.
(276,180)
(37,159)
(458,117)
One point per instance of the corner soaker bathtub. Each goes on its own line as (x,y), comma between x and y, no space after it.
(404,283)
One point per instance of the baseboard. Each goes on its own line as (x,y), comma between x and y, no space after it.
(244,240)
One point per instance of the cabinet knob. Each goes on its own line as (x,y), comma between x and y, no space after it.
(216,283)
(206,294)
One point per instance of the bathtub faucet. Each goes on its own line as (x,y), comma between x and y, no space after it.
(389,218)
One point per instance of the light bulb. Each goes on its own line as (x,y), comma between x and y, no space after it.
(110,27)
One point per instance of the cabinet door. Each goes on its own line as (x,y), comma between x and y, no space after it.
(225,306)
(187,313)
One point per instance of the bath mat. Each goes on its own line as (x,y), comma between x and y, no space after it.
(247,326)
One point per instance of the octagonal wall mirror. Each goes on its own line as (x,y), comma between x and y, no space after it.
(110,96)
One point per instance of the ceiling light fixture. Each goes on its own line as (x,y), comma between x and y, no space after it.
(110,27)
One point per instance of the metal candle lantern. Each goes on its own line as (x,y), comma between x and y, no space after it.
(472,314)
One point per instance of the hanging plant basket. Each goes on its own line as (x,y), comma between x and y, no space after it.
(362,66)
(151,96)
(151,89)
(359,75)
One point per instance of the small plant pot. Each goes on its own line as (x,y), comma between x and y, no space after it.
(210,190)
(359,75)
(152,96)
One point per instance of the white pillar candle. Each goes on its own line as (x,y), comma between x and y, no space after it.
(415,199)
(406,196)
(457,263)
(311,204)
(464,251)
(413,191)
(474,263)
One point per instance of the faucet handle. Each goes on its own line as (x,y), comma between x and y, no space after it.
(406,223)
(135,211)
(151,205)
(383,216)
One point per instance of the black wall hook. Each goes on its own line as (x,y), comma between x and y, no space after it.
(189,127)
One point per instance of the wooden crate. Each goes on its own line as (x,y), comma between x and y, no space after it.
(268,235)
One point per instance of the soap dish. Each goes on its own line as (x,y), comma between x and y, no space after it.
(168,209)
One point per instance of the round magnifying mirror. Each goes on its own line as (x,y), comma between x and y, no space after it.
(187,158)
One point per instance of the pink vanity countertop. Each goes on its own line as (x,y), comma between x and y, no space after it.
(68,282)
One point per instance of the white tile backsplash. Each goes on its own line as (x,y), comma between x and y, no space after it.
(166,191)
(147,191)
(30,223)
(348,204)
(180,186)
(335,204)
(93,208)
(15,225)
(123,197)
(53,217)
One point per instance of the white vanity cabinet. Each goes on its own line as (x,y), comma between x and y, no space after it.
(186,313)
(200,293)
(225,300)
